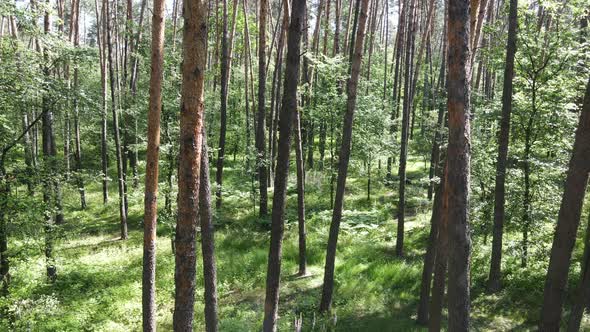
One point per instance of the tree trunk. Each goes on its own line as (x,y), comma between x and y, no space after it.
(115,111)
(75,36)
(261,115)
(337,23)
(567,222)
(300,196)
(440,260)
(399,243)
(189,168)
(458,159)
(396,75)
(286,119)
(100,40)
(151,169)
(438,133)
(582,298)
(344,157)
(207,241)
(494,281)
(223,110)
(431,251)
(49,155)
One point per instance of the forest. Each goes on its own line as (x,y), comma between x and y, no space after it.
(294,165)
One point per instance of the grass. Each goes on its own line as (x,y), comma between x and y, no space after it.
(99,277)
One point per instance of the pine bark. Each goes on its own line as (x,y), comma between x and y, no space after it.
(344,157)
(189,168)
(458,159)
(151,169)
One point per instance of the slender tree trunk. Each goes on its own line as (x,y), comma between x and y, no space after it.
(399,243)
(440,260)
(337,16)
(300,196)
(207,241)
(28,147)
(151,169)
(75,36)
(494,281)
(435,152)
(261,115)
(4,261)
(397,73)
(49,155)
(100,40)
(567,222)
(223,111)
(286,119)
(191,123)
(115,111)
(431,252)
(348,26)
(344,157)
(458,159)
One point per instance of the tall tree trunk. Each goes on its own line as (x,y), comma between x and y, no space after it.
(189,168)
(207,241)
(151,169)
(458,159)
(100,40)
(286,119)
(399,243)
(567,222)
(300,196)
(399,42)
(75,36)
(261,115)
(223,110)
(494,281)
(49,155)
(344,157)
(115,111)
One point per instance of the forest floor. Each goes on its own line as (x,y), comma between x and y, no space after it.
(99,276)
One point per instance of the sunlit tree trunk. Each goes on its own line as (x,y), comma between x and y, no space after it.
(151,169)
(191,122)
